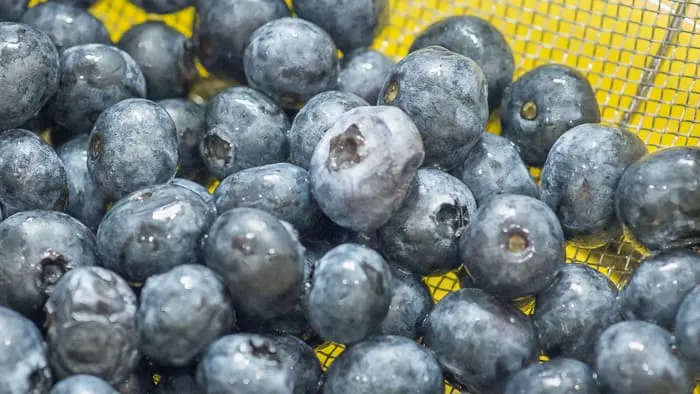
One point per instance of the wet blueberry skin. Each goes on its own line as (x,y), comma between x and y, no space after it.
(363,72)
(83,384)
(29,73)
(133,145)
(478,40)
(66,25)
(301,361)
(244,129)
(163,6)
(513,246)
(423,235)
(384,364)
(541,105)
(573,311)
(433,78)
(657,287)
(687,328)
(291,60)
(314,119)
(222,29)
(153,230)
(656,198)
(259,367)
(23,362)
(190,123)
(556,376)
(502,339)
(410,304)
(638,357)
(12,10)
(91,325)
(32,176)
(494,166)
(350,294)
(364,165)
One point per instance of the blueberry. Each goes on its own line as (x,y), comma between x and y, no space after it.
(658,285)
(291,60)
(480,339)
(478,40)
(350,294)
(363,72)
(513,247)
(314,119)
(573,311)
(190,123)
(410,304)
(195,187)
(687,327)
(222,29)
(351,24)
(91,325)
(23,363)
(32,176)
(83,384)
(386,364)
(557,376)
(133,145)
(423,235)
(153,230)
(12,10)
(362,168)
(244,129)
(29,73)
(656,198)
(639,357)
(455,87)
(164,56)
(258,368)
(301,361)
(494,166)
(85,200)
(541,105)
(93,78)
(163,6)
(66,25)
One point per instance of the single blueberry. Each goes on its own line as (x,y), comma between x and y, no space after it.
(478,40)
(29,73)
(513,247)
(302,362)
(687,328)
(163,6)
(437,78)
(410,304)
(479,339)
(83,384)
(556,376)
(190,123)
(12,10)
(291,60)
(364,165)
(363,72)
(541,105)
(656,198)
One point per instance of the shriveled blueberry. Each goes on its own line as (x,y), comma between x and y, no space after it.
(350,294)
(133,145)
(410,304)
(153,230)
(291,60)
(437,78)
(258,368)
(364,165)
(244,129)
(93,78)
(83,384)
(541,105)
(656,198)
(423,235)
(190,123)
(657,287)
(29,73)
(12,10)
(192,186)
(177,382)
(32,176)
(314,119)
(66,25)
(385,364)
(163,6)
(302,362)
(478,40)
(363,72)
(222,29)
(572,312)
(513,247)
(687,328)
(634,357)
(164,56)
(91,325)
(494,166)
(23,362)
(556,376)
(501,340)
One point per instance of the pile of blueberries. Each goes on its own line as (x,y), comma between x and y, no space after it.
(343,182)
